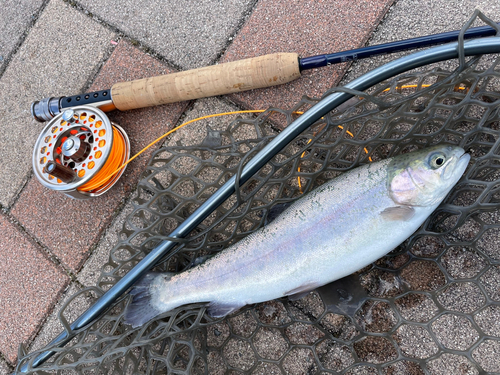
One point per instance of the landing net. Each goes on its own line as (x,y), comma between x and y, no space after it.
(430,306)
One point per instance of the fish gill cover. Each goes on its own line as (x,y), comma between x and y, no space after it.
(430,306)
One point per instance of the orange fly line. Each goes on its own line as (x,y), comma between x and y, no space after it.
(115,158)
(117,153)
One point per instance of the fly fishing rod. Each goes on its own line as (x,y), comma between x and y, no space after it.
(258,72)
(80,148)
(327,104)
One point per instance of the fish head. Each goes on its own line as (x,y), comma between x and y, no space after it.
(424,177)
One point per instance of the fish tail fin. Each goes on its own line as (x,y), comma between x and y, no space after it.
(141,309)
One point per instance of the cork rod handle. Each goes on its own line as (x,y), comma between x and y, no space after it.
(242,75)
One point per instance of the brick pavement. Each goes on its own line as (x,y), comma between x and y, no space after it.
(55,48)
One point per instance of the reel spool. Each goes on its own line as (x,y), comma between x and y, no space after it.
(77,152)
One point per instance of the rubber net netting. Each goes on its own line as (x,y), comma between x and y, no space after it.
(430,306)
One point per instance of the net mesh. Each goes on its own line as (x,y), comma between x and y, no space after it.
(432,305)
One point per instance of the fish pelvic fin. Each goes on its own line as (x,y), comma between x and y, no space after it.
(141,309)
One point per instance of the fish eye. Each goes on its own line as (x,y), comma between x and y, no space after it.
(437,160)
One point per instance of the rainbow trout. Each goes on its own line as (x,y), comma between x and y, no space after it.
(333,231)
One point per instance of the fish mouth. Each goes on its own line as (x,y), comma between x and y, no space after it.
(463,161)
(455,170)
(462,153)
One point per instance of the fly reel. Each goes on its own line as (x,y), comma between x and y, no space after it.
(78,151)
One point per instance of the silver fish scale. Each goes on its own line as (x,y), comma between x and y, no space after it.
(307,246)
(430,306)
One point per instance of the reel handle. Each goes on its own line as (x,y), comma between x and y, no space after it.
(258,72)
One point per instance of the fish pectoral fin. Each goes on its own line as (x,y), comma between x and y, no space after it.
(221,309)
(301,291)
(398,213)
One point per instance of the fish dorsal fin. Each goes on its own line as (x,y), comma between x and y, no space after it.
(301,291)
(221,309)
(276,211)
(398,213)
(200,260)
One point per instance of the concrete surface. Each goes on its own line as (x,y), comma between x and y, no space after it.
(52,246)
(25,272)
(4,369)
(414,18)
(188,33)
(16,19)
(43,67)
(90,273)
(305,28)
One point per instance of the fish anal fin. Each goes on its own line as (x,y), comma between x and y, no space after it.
(301,291)
(398,213)
(221,309)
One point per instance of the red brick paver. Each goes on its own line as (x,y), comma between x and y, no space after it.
(70,228)
(29,286)
(308,28)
